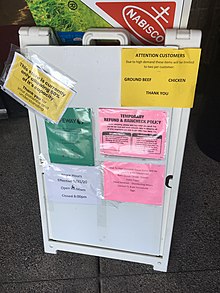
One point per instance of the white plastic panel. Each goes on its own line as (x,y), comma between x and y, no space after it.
(112,232)
(123,226)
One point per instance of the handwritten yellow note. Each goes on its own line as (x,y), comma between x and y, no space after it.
(37,89)
(159,77)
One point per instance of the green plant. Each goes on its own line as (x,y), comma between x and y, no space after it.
(64,15)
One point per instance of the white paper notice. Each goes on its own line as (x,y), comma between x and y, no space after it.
(73,184)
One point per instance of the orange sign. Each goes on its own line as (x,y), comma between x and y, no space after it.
(147,21)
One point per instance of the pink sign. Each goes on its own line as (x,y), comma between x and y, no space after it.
(135,133)
(131,182)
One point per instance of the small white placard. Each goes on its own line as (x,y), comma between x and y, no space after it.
(73,184)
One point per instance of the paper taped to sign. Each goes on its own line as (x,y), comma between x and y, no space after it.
(135,133)
(159,77)
(147,21)
(37,90)
(71,140)
(132,182)
(72,184)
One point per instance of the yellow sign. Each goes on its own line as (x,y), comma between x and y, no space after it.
(159,77)
(36,89)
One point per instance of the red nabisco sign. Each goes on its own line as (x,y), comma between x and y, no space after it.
(147,21)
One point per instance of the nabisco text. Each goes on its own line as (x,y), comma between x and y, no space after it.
(143,24)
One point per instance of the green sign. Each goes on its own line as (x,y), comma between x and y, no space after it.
(71,140)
